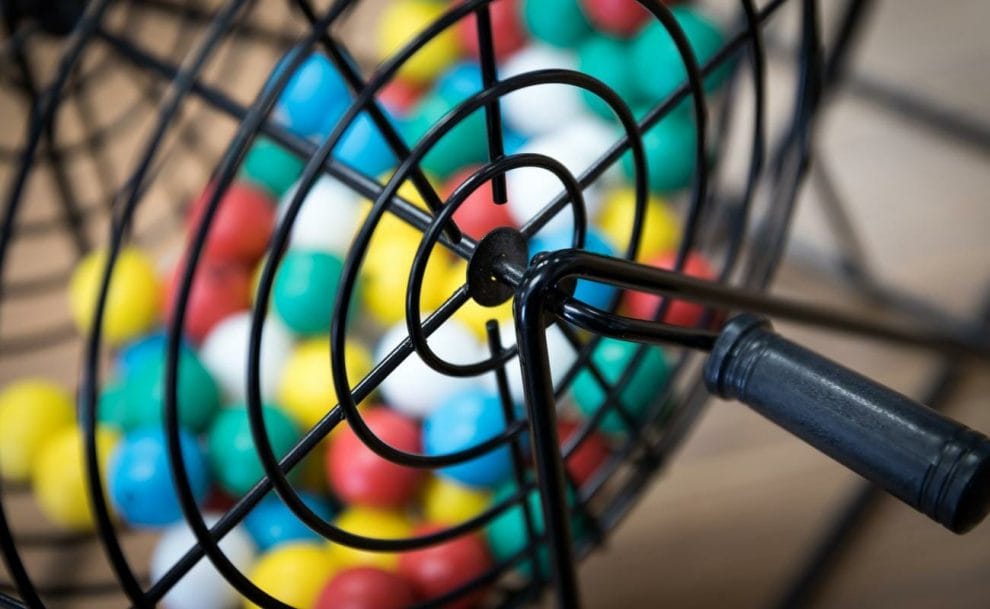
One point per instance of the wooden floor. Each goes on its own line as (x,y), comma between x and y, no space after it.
(733,516)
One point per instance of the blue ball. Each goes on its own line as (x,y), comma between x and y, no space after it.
(463,421)
(459,82)
(272,523)
(363,146)
(512,142)
(589,292)
(135,354)
(140,482)
(314,95)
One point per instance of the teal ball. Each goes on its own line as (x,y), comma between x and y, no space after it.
(305,289)
(197,394)
(560,23)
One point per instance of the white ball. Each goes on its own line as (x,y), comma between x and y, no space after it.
(203,587)
(414,388)
(540,108)
(561,354)
(577,147)
(225,355)
(327,219)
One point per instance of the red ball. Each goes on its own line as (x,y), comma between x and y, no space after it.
(681,312)
(241,226)
(507,29)
(360,476)
(588,456)
(218,290)
(366,588)
(619,17)
(400,96)
(478,214)
(436,570)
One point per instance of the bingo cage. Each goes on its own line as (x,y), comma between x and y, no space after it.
(415,326)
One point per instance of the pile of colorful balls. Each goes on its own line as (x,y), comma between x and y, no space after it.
(416,409)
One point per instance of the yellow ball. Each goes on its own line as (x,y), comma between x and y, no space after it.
(472,314)
(374,523)
(306,390)
(132,300)
(59,476)
(661,226)
(294,573)
(446,502)
(400,21)
(31,412)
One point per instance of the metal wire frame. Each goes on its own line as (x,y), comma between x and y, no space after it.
(255,120)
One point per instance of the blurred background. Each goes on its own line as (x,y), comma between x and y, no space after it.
(734,516)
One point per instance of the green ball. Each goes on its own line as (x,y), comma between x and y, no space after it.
(305,289)
(507,535)
(231,450)
(269,165)
(608,60)
(465,144)
(112,405)
(560,23)
(670,153)
(655,54)
(612,356)
(197,394)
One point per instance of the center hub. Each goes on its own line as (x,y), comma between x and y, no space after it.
(501,247)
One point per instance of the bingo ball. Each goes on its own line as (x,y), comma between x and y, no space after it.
(508,34)
(587,457)
(131,305)
(478,215)
(466,141)
(232,453)
(305,289)
(448,502)
(557,22)
(415,389)
(132,356)
(218,290)
(507,533)
(306,391)
(661,231)
(366,588)
(374,523)
(398,24)
(670,147)
(441,568)
(399,96)
(358,475)
(607,59)
(203,587)
(59,478)
(271,166)
(644,305)
(272,523)
(543,108)
(363,145)
(197,395)
(599,295)
(577,146)
(111,408)
(312,95)
(462,421)
(327,218)
(225,355)
(31,412)
(618,17)
(141,487)
(612,357)
(655,53)
(240,227)
(293,573)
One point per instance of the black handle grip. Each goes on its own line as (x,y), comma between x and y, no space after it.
(932,463)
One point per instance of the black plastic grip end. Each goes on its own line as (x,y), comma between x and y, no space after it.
(932,463)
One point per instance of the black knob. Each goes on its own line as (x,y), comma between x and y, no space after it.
(932,463)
